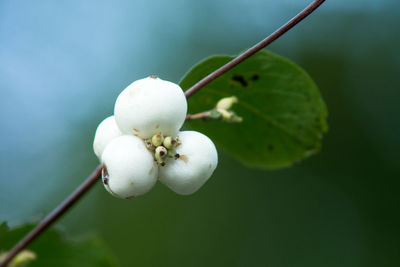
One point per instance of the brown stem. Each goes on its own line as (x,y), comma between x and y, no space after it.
(275,35)
(197,115)
(87,184)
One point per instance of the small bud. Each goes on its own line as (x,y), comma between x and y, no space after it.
(149,145)
(21,259)
(229,116)
(172,153)
(226,115)
(226,102)
(160,154)
(236,118)
(178,142)
(161,151)
(170,142)
(157,139)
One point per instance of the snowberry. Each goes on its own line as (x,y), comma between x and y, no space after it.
(105,132)
(197,161)
(129,169)
(149,106)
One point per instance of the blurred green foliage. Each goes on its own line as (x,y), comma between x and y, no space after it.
(62,65)
(283,113)
(52,249)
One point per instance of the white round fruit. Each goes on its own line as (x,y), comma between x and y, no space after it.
(150,106)
(105,132)
(129,169)
(198,160)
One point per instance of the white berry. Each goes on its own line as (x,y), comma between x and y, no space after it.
(129,169)
(105,132)
(150,106)
(198,160)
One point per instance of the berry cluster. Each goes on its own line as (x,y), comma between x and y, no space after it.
(142,142)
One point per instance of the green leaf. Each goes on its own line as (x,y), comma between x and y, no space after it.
(52,249)
(284,115)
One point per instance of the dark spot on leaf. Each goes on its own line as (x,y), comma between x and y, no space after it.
(240,79)
(271,147)
(255,77)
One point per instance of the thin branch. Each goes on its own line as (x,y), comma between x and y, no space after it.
(278,33)
(54,215)
(90,181)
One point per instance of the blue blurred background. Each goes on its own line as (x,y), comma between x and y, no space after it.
(63,63)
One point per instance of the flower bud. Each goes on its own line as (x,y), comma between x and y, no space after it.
(229,116)
(23,258)
(173,154)
(149,145)
(226,115)
(170,142)
(160,153)
(226,102)
(157,139)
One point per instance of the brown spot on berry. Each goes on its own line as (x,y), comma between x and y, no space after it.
(131,183)
(151,170)
(184,158)
(153,76)
(157,126)
(105,174)
(136,130)
(130,197)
